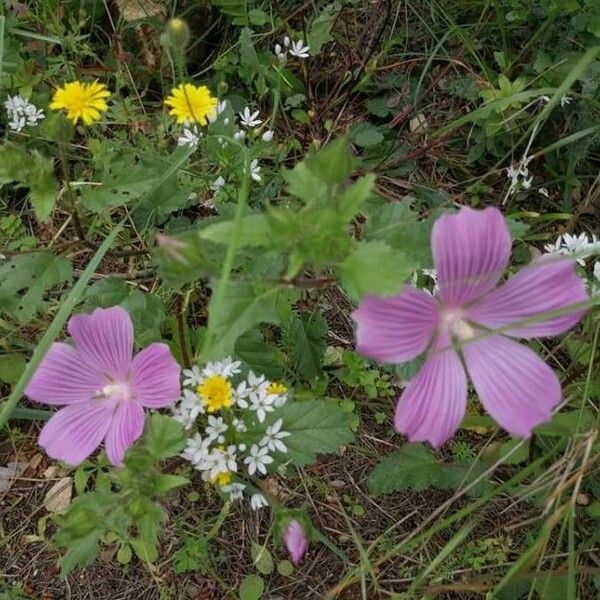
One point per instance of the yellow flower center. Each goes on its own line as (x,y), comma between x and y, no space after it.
(191,103)
(222,479)
(277,388)
(85,101)
(216,392)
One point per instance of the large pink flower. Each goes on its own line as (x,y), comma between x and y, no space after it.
(471,250)
(102,385)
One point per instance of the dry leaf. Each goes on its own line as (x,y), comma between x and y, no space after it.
(59,495)
(132,10)
(418,124)
(9,473)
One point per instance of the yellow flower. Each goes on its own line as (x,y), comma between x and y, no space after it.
(222,479)
(85,101)
(216,393)
(191,103)
(277,388)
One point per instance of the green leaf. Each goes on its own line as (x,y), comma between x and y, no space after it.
(374,268)
(316,426)
(245,304)
(285,568)
(552,587)
(237,10)
(163,436)
(263,561)
(31,170)
(259,355)
(566,424)
(165,483)
(25,279)
(11,367)
(319,32)
(413,467)
(252,588)
(256,232)
(194,555)
(146,310)
(366,135)
(396,224)
(304,338)
(248,56)
(186,257)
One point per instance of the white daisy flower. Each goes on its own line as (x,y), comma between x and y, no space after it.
(239,425)
(273,436)
(241,393)
(190,137)
(262,404)
(33,114)
(216,428)
(250,119)
(213,464)
(231,458)
(226,368)
(217,184)
(267,136)
(565,101)
(255,170)
(21,112)
(235,491)
(197,449)
(299,50)
(188,409)
(192,377)
(258,501)
(258,460)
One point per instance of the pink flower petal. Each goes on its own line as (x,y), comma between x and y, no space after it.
(470,252)
(63,378)
(434,402)
(126,427)
(105,340)
(544,286)
(75,431)
(295,541)
(398,328)
(516,387)
(155,377)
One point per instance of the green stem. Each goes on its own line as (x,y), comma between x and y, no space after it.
(219,293)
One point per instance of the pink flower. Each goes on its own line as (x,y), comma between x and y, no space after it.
(102,385)
(471,250)
(295,541)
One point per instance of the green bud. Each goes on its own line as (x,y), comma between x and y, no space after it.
(222,88)
(58,128)
(177,34)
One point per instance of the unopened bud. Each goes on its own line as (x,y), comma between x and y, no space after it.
(177,34)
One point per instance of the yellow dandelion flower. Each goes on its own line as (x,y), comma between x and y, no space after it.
(277,388)
(85,101)
(222,479)
(216,392)
(191,103)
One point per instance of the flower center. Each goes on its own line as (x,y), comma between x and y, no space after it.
(276,388)
(117,390)
(216,393)
(452,321)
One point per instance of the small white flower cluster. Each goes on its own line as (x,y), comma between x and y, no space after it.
(297,49)
(21,112)
(580,247)
(219,448)
(191,134)
(519,176)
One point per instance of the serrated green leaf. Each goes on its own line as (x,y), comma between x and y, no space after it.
(319,32)
(413,467)
(256,231)
(25,279)
(304,337)
(397,225)
(316,427)
(165,483)
(245,304)
(146,310)
(163,436)
(374,268)
(259,355)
